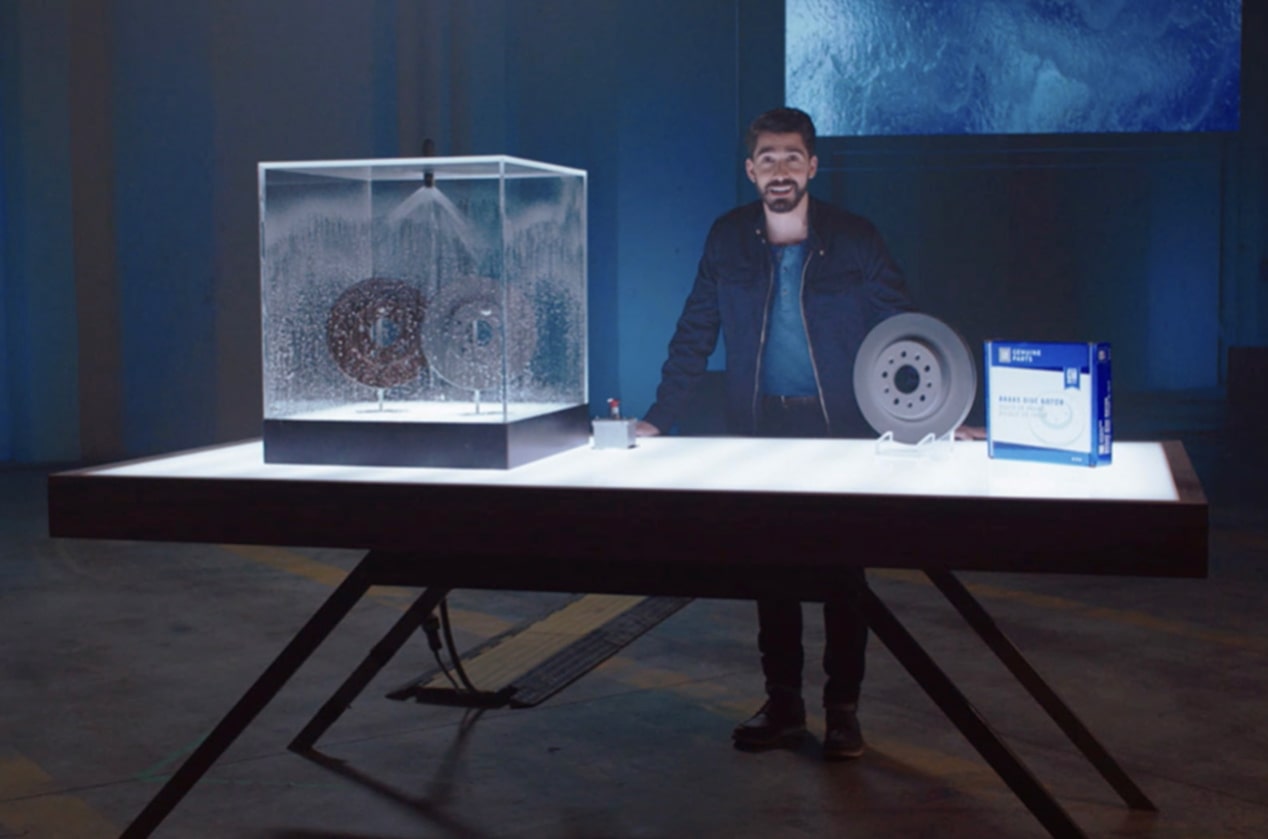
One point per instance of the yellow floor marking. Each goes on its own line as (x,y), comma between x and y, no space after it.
(500,664)
(480,624)
(1126,617)
(292,562)
(33,807)
(970,774)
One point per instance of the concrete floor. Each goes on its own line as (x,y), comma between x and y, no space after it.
(118,657)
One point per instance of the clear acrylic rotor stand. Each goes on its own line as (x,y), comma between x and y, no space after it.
(930,447)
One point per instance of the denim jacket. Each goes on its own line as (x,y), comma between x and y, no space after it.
(850,283)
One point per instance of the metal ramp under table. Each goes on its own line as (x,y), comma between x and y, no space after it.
(531,662)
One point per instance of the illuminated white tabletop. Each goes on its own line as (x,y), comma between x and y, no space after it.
(1140,471)
(671,504)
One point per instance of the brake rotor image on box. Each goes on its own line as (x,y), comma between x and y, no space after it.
(914,376)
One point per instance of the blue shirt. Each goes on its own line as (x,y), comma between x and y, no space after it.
(786,366)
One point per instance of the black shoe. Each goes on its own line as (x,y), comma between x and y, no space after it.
(843,739)
(779,723)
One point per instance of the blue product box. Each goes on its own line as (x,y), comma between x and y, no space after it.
(1049,402)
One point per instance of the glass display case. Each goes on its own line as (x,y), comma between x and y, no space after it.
(423,312)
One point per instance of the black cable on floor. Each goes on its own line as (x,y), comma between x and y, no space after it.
(431,627)
(453,649)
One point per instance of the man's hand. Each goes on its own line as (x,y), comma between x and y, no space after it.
(970,432)
(643,428)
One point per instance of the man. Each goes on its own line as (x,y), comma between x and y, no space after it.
(793,285)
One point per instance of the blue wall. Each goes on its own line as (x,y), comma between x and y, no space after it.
(164,216)
(1107,238)
(7,45)
(129,319)
(39,306)
(649,110)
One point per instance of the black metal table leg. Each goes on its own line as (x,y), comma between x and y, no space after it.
(252,702)
(379,656)
(953,703)
(982,623)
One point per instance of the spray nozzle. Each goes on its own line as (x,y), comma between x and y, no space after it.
(429,150)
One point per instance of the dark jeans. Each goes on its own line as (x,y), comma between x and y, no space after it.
(779,620)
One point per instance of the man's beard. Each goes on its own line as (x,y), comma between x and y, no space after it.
(783,203)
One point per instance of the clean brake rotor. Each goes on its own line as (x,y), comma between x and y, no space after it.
(914,376)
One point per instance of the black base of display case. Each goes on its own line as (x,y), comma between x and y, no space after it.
(449,445)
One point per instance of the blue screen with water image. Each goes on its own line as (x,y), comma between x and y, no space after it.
(892,67)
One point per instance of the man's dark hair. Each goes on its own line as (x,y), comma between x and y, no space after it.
(782,121)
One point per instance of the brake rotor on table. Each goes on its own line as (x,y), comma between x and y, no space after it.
(914,376)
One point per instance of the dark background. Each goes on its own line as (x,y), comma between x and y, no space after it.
(130,133)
